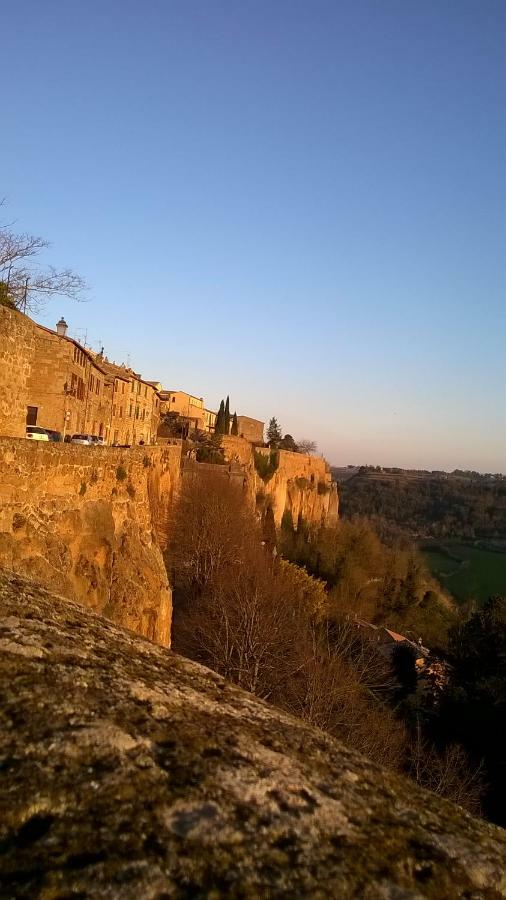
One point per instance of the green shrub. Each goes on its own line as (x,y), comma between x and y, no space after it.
(146,462)
(266,465)
(130,490)
(121,473)
(82,489)
(210,454)
(323,488)
(302,483)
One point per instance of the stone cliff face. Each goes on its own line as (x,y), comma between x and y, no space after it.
(130,772)
(89,523)
(300,485)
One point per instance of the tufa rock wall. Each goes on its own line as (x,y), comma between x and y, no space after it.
(17,346)
(90,523)
(300,485)
(130,772)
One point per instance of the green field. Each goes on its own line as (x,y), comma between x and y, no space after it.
(466,571)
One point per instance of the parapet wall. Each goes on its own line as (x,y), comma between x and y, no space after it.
(17,346)
(90,523)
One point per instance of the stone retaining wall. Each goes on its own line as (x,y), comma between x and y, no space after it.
(90,523)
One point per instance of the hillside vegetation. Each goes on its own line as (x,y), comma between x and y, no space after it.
(457,521)
(284,628)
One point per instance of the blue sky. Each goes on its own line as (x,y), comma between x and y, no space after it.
(302,204)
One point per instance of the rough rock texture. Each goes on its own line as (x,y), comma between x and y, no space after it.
(90,523)
(301,485)
(130,772)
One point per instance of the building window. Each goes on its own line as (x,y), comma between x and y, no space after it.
(123,388)
(31,415)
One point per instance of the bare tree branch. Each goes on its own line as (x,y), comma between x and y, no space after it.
(24,285)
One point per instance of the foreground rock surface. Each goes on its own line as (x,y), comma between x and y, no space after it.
(127,771)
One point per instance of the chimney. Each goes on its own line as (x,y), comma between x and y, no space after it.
(61,327)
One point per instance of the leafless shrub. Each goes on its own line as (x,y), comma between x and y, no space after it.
(447,772)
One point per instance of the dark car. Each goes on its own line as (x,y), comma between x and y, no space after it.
(55,436)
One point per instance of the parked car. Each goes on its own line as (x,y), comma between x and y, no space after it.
(81,439)
(99,441)
(55,436)
(36,433)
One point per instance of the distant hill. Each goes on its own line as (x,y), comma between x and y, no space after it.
(460,505)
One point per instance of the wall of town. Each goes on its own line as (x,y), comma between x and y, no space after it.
(300,486)
(17,343)
(90,523)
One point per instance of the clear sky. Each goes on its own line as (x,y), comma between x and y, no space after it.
(302,204)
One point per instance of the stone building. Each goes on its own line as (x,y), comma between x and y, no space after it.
(251,429)
(135,406)
(17,343)
(48,379)
(188,407)
(67,388)
(210,419)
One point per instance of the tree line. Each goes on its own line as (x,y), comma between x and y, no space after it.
(451,507)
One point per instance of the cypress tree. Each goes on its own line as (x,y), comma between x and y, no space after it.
(226,421)
(220,420)
(235,425)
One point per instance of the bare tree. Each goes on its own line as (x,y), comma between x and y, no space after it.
(306,446)
(447,772)
(25,285)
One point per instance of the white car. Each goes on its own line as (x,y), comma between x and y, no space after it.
(81,439)
(36,433)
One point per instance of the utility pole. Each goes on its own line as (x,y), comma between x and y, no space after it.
(25,296)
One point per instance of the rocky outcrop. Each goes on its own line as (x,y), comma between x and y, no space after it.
(296,485)
(130,772)
(90,523)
